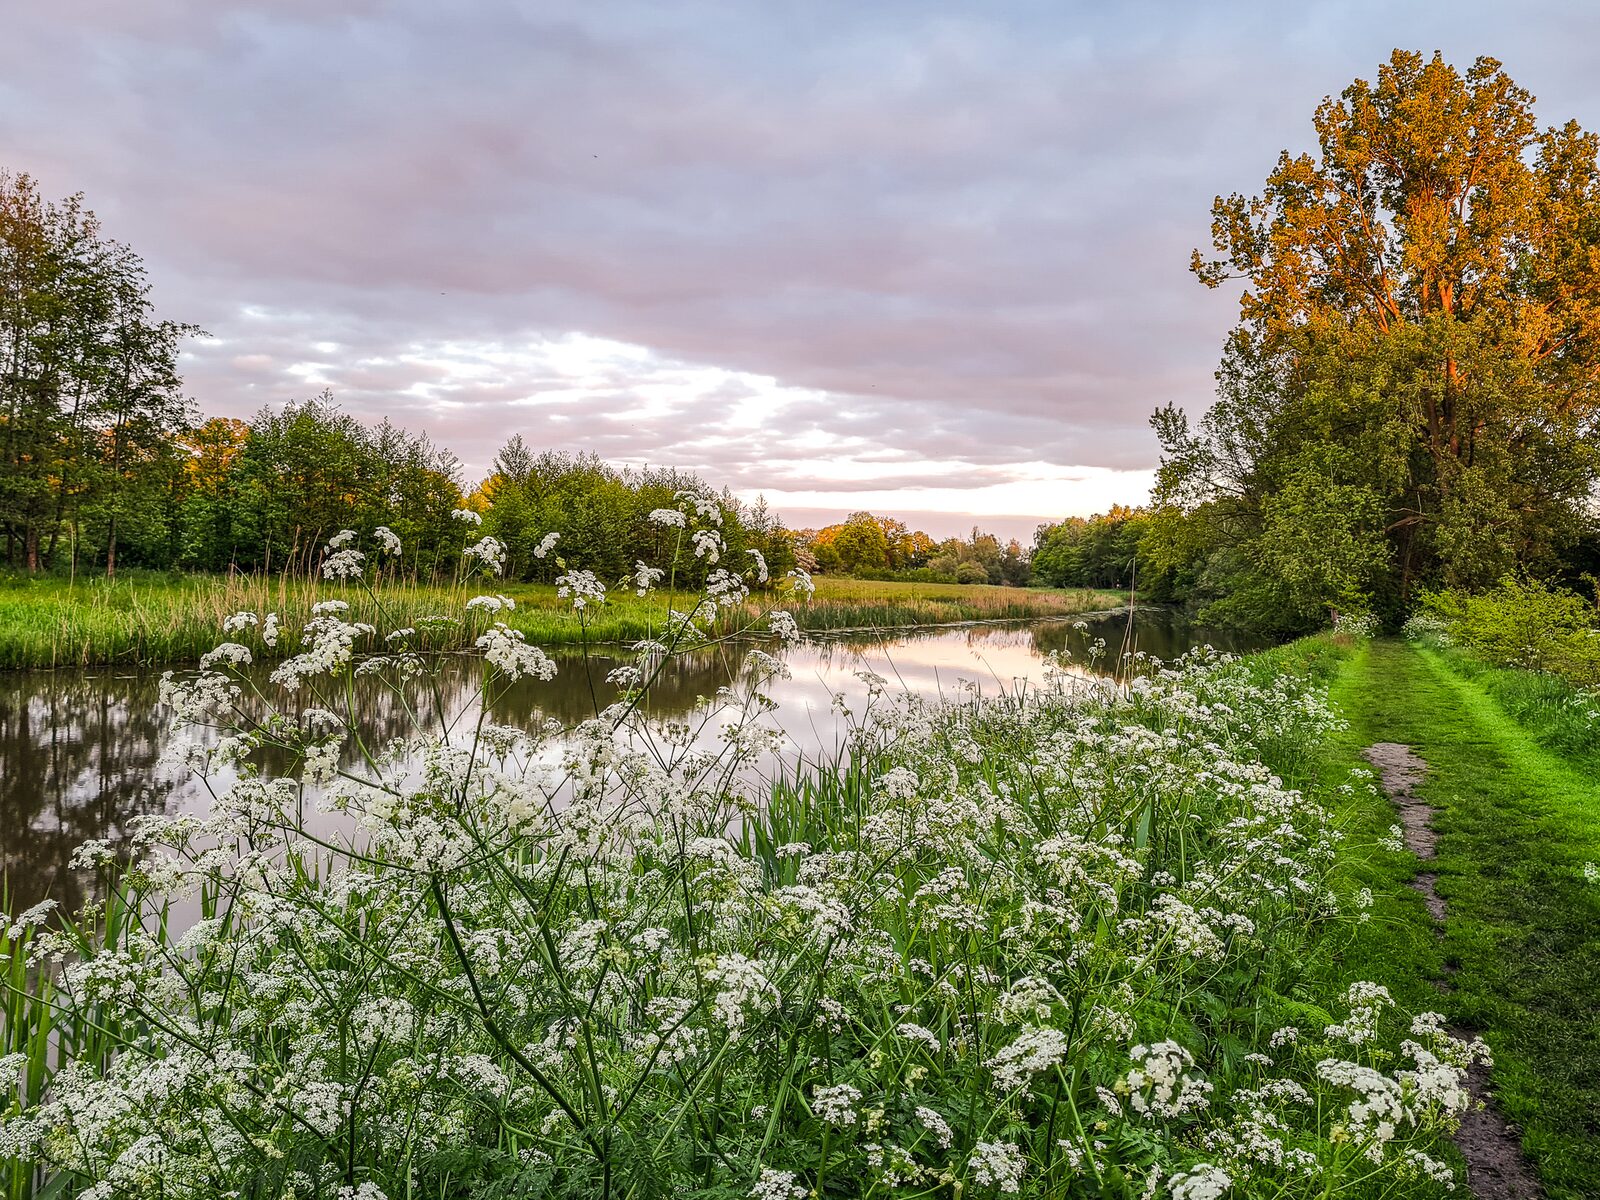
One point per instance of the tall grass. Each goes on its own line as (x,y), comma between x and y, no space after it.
(37,1027)
(153,619)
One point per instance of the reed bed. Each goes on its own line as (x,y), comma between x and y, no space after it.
(150,620)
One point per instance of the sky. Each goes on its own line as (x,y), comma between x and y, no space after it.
(921,258)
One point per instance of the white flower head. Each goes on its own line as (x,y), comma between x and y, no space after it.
(998,1165)
(583,587)
(467,516)
(708,545)
(491,552)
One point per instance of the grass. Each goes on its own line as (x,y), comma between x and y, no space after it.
(1521,941)
(141,621)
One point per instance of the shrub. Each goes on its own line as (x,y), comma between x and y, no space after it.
(1523,623)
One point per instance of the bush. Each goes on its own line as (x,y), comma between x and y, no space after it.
(1521,623)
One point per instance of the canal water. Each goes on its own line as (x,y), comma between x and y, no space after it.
(80,751)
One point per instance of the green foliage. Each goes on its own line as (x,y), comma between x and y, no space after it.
(1520,947)
(89,391)
(1524,623)
(1410,397)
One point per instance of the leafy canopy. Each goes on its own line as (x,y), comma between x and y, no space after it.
(1412,391)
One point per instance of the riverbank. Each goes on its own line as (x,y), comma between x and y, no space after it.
(1516,957)
(1065,939)
(50,623)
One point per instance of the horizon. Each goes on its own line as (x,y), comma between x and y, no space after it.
(928,262)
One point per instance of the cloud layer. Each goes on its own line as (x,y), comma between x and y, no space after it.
(933,254)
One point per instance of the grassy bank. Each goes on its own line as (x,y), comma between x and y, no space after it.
(1521,943)
(1041,945)
(50,622)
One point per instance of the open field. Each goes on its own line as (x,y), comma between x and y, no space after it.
(141,621)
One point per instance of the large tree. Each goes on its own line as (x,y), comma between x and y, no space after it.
(1412,391)
(89,388)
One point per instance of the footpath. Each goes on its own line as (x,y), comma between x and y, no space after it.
(1501,828)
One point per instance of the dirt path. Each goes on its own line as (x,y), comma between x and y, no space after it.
(1496,1167)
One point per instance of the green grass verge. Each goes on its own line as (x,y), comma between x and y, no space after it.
(1516,823)
(153,619)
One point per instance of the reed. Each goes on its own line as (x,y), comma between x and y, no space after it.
(150,620)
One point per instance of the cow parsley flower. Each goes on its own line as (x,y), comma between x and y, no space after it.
(943,1135)
(507,651)
(584,587)
(1036,1050)
(645,577)
(1202,1182)
(546,544)
(491,552)
(467,516)
(837,1105)
(707,545)
(388,541)
(231,653)
(777,1185)
(1164,1069)
(238,621)
(669,518)
(997,1164)
(705,507)
(344,564)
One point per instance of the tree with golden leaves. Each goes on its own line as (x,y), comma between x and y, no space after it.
(1412,392)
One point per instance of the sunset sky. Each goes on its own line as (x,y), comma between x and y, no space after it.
(927,259)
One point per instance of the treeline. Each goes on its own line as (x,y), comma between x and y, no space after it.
(265,495)
(874,547)
(602,514)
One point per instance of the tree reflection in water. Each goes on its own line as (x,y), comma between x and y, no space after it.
(80,752)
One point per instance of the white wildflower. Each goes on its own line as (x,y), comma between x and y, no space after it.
(837,1105)
(491,552)
(1203,1182)
(997,1164)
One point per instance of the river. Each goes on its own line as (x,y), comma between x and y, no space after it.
(80,750)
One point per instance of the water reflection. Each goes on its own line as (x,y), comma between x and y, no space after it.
(80,752)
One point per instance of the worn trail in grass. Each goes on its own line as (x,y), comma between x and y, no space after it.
(1521,942)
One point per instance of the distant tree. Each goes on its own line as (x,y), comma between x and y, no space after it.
(1413,390)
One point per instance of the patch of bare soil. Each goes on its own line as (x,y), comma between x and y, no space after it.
(1496,1168)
